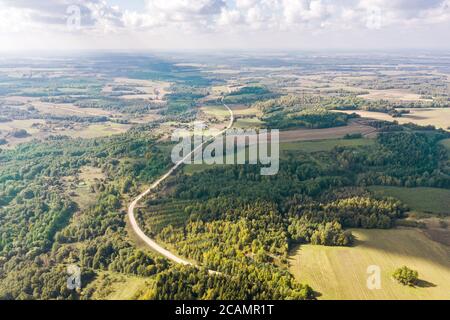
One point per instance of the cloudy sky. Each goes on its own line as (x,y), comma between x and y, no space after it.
(224,24)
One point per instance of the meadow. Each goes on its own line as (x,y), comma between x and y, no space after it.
(116,286)
(323,145)
(422,200)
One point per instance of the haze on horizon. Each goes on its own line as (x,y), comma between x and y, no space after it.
(61,25)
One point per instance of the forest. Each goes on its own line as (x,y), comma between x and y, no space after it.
(233,220)
(64,200)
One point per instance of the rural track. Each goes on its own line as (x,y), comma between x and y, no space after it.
(131,208)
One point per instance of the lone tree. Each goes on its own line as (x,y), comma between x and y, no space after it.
(406,276)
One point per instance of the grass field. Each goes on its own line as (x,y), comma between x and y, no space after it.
(426,200)
(216,111)
(341,273)
(80,188)
(323,145)
(287,148)
(248,123)
(114,286)
(100,130)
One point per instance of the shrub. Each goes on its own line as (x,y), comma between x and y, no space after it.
(406,276)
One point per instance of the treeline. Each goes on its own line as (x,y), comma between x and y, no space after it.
(307,111)
(311,119)
(249,94)
(190,283)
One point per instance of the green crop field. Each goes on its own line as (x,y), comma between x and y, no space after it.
(426,200)
(341,272)
(248,123)
(323,145)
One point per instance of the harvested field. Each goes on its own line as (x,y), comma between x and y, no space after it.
(438,117)
(67,109)
(393,94)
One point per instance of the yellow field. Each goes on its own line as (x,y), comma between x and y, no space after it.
(438,117)
(341,273)
(393,94)
(21,124)
(66,109)
(8,127)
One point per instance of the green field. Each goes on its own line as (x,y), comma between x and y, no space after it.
(116,286)
(293,147)
(341,272)
(248,123)
(216,111)
(101,130)
(323,145)
(425,200)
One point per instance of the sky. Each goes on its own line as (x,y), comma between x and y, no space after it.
(62,25)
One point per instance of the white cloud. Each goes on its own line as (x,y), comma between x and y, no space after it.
(13,20)
(96,15)
(254,14)
(173,18)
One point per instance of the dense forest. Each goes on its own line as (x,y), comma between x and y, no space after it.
(42,228)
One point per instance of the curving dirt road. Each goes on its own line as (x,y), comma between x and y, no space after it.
(150,242)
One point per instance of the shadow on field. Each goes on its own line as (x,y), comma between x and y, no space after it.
(414,117)
(405,242)
(424,284)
